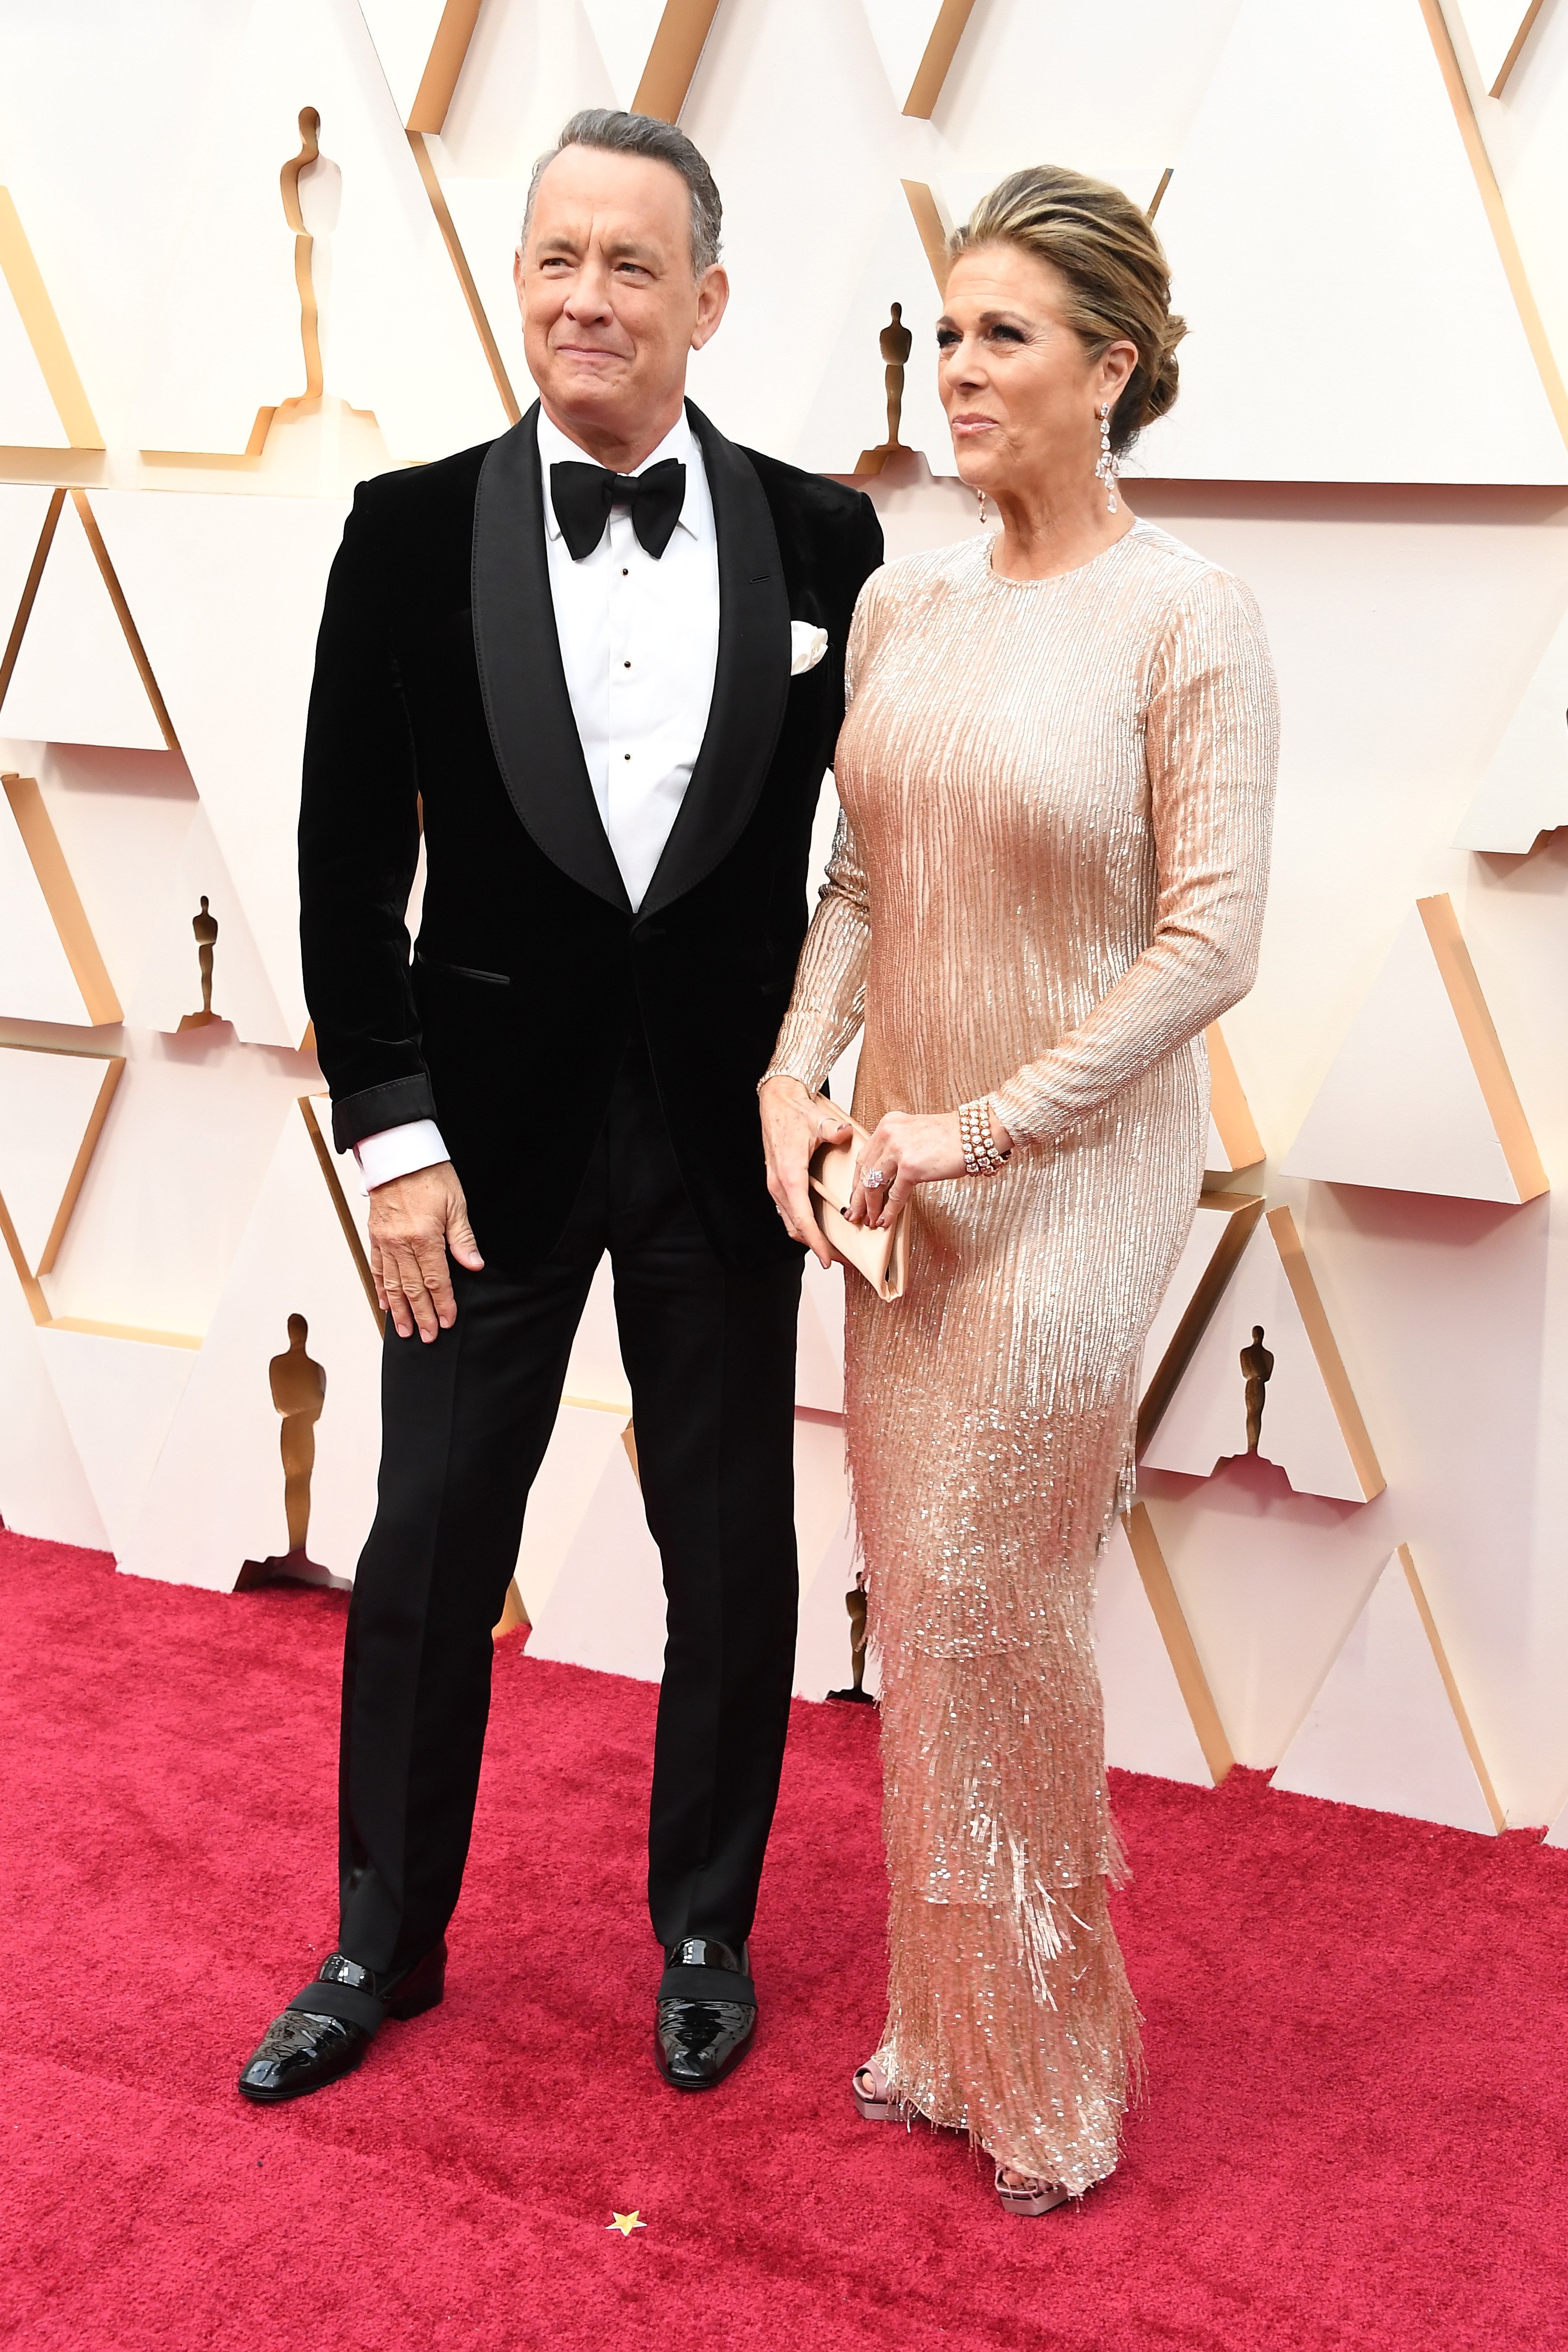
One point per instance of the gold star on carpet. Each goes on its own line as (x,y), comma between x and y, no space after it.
(626,2223)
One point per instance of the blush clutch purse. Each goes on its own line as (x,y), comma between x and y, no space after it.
(878,1252)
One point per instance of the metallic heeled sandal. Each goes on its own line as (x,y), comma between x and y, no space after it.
(1037,2197)
(879,2105)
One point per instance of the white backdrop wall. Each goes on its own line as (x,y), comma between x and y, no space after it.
(1368,245)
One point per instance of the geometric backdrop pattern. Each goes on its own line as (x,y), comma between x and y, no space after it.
(264,250)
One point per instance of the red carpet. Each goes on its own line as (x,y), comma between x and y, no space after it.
(1355,2133)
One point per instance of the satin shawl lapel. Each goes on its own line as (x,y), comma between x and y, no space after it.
(751,684)
(533,731)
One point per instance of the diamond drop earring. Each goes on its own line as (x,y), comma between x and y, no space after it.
(985,509)
(1106,470)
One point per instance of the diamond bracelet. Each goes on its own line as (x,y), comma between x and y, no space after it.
(981,1157)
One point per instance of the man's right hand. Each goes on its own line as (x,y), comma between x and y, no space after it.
(793,1123)
(414,1221)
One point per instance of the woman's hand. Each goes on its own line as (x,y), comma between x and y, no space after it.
(910,1147)
(793,1123)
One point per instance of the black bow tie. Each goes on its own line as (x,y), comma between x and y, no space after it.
(583,495)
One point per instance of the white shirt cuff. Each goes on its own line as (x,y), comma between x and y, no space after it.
(398,1151)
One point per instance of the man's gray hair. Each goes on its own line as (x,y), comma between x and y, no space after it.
(645,134)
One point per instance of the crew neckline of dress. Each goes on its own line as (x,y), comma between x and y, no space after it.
(1054,579)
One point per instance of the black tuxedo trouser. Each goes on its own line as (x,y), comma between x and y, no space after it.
(465,1421)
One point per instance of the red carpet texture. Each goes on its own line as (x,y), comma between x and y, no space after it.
(1355,2135)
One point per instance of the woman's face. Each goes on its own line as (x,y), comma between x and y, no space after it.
(1022,394)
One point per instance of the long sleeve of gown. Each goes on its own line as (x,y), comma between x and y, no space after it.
(1211,750)
(829,1001)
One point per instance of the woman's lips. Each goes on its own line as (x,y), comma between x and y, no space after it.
(972,424)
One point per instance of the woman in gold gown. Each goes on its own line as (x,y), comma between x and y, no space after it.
(1056,777)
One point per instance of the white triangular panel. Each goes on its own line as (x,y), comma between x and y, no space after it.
(1496,29)
(27,411)
(119,1397)
(606,1607)
(901,30)
(594,1370)
(235,665)
(404,32)
(1558,1833)
(624,31)
(1402,1106)
(823,1659)
(46,1104)
(1213,1232)
(1147,1726)
(1206,1418)
(396,338)
(819,1350)
(168,986)
(216,1498)
(1325,157)
(37,983)
(1381,1731)
(579,1451)
(44,1489)
(1524,791)
(76,679)
(23,509)
(848,412)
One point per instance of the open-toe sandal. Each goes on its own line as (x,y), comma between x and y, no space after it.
(1028,2196)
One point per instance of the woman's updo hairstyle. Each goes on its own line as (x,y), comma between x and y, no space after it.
(1118,280)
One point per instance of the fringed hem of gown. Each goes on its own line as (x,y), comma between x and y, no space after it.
(1021,2031)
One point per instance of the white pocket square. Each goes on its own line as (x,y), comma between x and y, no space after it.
(807,647)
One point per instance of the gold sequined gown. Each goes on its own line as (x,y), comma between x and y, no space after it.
(1048,879)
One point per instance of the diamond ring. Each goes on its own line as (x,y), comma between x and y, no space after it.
(875,1180)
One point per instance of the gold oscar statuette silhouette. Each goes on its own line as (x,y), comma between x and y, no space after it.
(299,1387)
(854,1601)
(1257,1368)
(896,343)
(204,923)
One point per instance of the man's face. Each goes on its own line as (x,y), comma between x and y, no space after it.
(610,306)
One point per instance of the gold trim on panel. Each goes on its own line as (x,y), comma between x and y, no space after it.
(30,590)
(122,1331)
(939,50)
(1331,1364)
(37,313)
(67,912)
(123,614)
(672,59)
(1466,1731)
(1243,1211)
(74,1181)
(1482,1044)
(459,261)
(442,66)
(1495,212)
(513,1618)
(39,1305)
(1228,1106)
(930,228)
(1180,1647)
(340,1203)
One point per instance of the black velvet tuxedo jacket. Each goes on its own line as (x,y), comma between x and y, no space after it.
(439,684)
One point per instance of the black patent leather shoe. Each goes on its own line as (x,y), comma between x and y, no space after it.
(326,2030)
(706,2014)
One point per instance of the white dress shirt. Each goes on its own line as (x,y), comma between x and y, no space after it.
(639,645)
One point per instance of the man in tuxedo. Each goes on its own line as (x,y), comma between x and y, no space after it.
(582,651)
